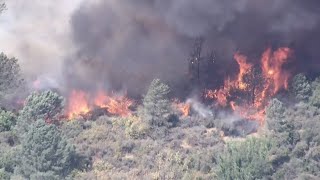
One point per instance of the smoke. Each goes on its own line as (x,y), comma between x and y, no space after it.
(38,34)
(234,125)
(199,108)
(125,44)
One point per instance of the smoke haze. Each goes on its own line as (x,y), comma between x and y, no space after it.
(128,43)
(125,44)
(38,34)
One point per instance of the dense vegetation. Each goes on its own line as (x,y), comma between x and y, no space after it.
(36,142)
(153,143)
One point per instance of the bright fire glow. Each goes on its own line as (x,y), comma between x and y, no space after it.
(80,103)
(274,78)
(244,67)
(115,105)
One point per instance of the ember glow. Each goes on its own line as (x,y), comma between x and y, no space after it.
(182,108)
(248,93)
(81,103)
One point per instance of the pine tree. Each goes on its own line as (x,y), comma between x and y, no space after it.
(45,105)
(276,116)
(156,105)
(301,87)
(315,98)
(10,77)
(45,154)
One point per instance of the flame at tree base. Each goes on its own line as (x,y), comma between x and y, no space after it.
(247,94)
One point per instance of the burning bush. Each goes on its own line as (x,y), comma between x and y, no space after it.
(81,103)
(252,88)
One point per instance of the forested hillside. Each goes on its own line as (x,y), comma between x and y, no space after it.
(247,110)
(155,142)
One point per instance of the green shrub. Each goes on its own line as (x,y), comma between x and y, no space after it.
(8,160)
(7,120)
(245,160)
(4,175)
(72,129)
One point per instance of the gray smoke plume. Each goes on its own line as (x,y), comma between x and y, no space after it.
(199,108)
(124,44)
(37,33)
(127,43)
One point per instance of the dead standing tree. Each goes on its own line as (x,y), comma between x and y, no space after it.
(194,61)
(255,81)
(200,67)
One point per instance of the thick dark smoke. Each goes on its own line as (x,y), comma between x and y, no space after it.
(124,44)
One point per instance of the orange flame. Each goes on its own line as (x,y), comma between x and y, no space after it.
(78,104)
(272,68)
(222,94)
(275,78)
(183,108)
(244,67)
(116,105)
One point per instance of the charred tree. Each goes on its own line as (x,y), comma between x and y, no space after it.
(194,61)
(209,70)
(255,81)
(201,67)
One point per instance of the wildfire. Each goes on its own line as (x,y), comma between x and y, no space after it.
(116,105)
(272,68)
(222,94)
(183,108)
(273,79)
(245,67)
(80,103)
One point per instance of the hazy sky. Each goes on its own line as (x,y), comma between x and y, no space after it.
(37,33)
